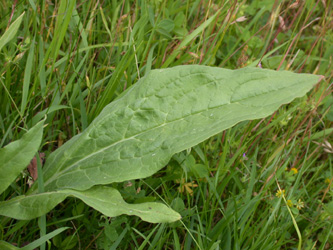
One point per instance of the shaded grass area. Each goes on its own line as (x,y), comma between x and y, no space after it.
(264,184)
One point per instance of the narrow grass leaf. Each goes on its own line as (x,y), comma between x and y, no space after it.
(47,111)
(119,239)
(63,18)
(114,81)
(42,76)
(83,32)
(146,241)
(42,240)
(33,5)
(83,111)
(319,135)
(11,31)
(27,76)
(188,39)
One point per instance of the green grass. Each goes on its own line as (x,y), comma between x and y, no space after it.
(69,60)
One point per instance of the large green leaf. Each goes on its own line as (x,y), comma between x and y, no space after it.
(107,200)
(16,156)
(166,112)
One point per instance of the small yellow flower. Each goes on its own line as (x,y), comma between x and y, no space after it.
(327,180)
(280,193)
(294,170)
(186,187)
(289,203)
(299,204)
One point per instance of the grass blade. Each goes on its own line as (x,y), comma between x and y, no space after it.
(11,31)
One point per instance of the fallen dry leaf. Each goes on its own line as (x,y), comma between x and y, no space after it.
(32,167)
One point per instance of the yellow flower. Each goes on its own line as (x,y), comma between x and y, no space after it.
(327,180)
(294,170)
(299,204)
(289,203)
(186,186)
(280,193)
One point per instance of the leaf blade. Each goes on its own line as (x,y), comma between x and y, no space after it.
(109,202)
(31,206)
(43,239)
(16,156)
(106,200)
(137,134)
(11,31)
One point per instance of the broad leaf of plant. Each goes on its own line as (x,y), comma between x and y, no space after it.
(16,156)
(167,111)
(29,207)
(107,200)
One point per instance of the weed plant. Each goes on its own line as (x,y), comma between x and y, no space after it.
(263,184)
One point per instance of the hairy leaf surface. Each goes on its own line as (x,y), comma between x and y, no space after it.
(166,112)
